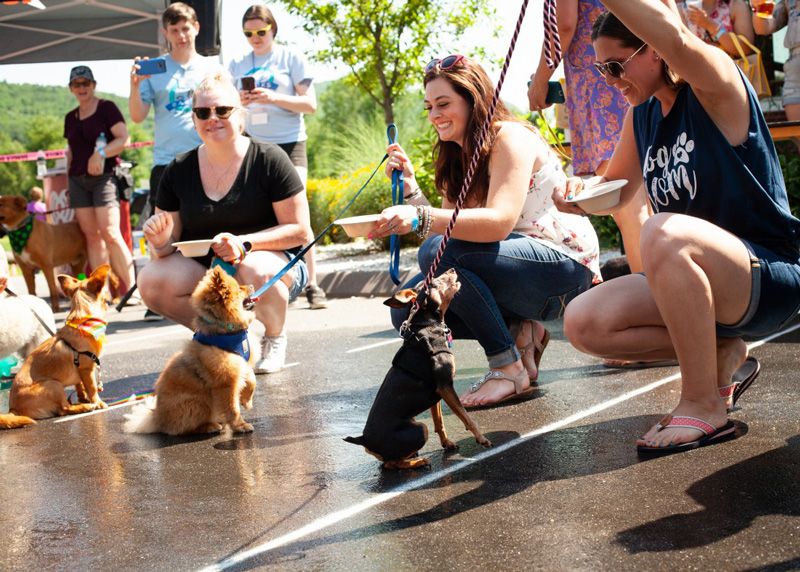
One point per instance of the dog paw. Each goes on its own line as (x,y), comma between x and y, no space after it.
(449,445)
(243,428)
(483,441)
(100,404)
(248,405)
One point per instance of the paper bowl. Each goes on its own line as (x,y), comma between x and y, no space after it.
(356,226)
(194,248)
(600,197)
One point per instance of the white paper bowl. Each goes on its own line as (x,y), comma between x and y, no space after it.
(600,197)
(194,248)
(356,226)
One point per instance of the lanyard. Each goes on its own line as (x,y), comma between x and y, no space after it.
(392,134)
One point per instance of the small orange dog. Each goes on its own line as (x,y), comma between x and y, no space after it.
(71,357)
(202,387)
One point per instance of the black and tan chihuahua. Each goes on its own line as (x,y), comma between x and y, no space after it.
(420,377)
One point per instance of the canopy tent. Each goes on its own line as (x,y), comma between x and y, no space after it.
(75,30)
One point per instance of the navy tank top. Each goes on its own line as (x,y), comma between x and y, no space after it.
(690,168)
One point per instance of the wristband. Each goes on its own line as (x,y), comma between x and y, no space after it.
(721,32)
(102,152)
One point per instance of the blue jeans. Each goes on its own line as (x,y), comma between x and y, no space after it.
(502,283)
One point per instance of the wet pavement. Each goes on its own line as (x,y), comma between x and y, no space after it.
(562,488)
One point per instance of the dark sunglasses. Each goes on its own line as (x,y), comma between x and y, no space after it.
(615,69)
(261,31)
(445,63)
(86,83)
(221,111)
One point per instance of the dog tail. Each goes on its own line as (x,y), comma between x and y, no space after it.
(13,421)
(142,418)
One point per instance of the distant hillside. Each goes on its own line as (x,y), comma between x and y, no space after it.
(22,102)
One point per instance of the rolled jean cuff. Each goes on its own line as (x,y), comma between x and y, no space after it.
(504,358)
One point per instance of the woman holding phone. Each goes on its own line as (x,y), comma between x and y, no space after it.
(276,89)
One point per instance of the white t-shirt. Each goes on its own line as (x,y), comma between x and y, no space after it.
(280,70)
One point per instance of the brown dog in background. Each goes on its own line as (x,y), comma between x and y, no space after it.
(202,387)
(71,357)
(48,246)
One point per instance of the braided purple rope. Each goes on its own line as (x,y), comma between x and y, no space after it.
(552,41)
(473,163)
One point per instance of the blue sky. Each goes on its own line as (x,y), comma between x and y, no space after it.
(113,77)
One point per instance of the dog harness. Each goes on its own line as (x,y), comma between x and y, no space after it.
(77,354)
(235,342)
(20,235)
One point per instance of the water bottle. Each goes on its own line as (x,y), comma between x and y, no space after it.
(100,143)
(41,165)
(6,364)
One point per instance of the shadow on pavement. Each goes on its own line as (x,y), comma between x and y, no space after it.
(732,499)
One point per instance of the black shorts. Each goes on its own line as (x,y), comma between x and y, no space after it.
(297,152)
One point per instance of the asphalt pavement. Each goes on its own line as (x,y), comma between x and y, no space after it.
(562,488)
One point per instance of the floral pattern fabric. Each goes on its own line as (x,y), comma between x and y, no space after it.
(596,111)
(569,234)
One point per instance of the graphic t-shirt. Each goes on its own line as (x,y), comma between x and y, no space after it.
(170,94)
(280,70)
(689,167)
(266,176)
(82,134)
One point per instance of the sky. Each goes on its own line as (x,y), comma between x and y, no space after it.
(113,77)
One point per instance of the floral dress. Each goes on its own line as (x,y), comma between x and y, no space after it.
(569,234)
(596,111)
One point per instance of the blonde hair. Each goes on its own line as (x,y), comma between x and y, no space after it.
(219,82)
(36,194)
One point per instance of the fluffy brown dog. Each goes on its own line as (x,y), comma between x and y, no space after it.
(202,387)
(71,357)
(37,244)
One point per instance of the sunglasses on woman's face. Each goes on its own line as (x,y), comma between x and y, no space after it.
(221,111)
(80,84)
(261,31)
(444,63)
(615,69)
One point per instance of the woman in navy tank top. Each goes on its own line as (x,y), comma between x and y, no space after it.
(720,253)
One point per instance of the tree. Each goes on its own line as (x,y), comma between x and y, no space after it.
(384,42)
(15,178)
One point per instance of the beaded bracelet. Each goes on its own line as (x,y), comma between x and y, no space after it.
(425,221)
(720,32)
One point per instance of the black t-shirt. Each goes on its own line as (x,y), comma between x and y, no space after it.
(82,134)
(265,177)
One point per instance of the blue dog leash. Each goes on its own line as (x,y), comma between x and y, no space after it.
(392,134)
(250,301)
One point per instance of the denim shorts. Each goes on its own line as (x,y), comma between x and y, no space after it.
(774,297)
(90,191)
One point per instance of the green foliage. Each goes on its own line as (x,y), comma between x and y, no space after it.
(385,43)
(15,178)
(790,164)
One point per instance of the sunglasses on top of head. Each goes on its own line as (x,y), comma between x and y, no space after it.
(261,31)
(445,63)
(221,111)
(615,69)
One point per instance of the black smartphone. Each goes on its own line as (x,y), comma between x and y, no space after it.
(555,93)
(248,83)
(152,67)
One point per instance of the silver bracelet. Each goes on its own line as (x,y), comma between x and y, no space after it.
(413,194)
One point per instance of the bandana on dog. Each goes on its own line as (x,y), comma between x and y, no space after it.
(94,327)
(19,236)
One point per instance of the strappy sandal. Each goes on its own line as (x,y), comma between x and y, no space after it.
(534,350)
(520,393)
(741,380)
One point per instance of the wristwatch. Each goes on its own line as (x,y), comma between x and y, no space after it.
(248,246)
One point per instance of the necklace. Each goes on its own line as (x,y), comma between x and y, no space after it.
(222,179)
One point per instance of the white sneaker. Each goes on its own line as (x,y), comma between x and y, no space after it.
(273,354)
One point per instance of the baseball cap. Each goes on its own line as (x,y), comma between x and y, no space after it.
(80,71)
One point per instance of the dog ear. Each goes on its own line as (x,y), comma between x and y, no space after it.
(402,298)
(68,284)
(97,279)
(20,202)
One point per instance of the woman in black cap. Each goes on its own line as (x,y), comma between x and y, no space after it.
(96,133)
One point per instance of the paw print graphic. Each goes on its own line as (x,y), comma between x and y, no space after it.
(680,151)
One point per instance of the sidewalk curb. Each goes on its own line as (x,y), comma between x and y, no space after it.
(363,283)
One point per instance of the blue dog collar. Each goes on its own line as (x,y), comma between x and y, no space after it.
(235,343)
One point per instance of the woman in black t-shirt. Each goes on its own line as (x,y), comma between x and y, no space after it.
(96,133)
(228,185)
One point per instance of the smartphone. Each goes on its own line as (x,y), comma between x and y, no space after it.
(152,67)
(555,93)
(248,83)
